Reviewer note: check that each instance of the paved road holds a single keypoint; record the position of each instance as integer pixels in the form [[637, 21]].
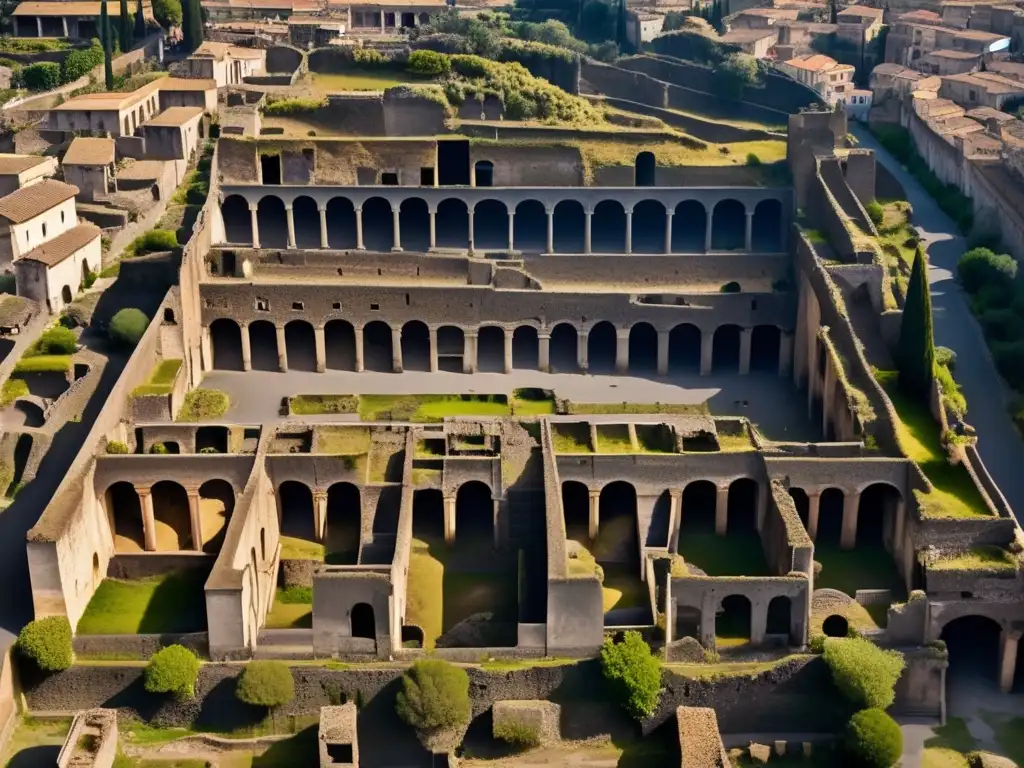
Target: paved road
[[1000, 446]]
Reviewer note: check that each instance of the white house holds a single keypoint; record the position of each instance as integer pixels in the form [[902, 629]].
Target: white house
[[32, 215], [53, 272]]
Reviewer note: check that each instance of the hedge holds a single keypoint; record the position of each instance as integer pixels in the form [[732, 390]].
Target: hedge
[[47, 643], [428, 63], [81, 63], [873, 739], [435, 694], [44, 364], [44, 76], [56, 341], [266, 684], [128, 326], [174, 670], [862, 671]]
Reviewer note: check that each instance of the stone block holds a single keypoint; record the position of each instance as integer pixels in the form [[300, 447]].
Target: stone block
[[540, 716], [760, 753]]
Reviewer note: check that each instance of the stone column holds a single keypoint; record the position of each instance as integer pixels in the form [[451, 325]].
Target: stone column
[[321, 348], [785, 353], [851, 507], [282, 350], [621, 350], [323, 228], [290, 216], [433, 228], [675, 518], [663, 353], [629, 230], [707, 349], [588, 217], [595, 514], [813, 512], [745, 334], [195, 519], [39, 25], [255, 226], [206, 348], [469, 340], [433, 349], [1008, 642], [758, 622], [511, 231], [396, 350], [382, 22], [900, 511], [148, 519], [358, 333], [472, 234], [668, 230], [508, 351], [550, 247], [397, 245], [544, 352], [359, 228], [449, 520], [16, 31], [246, 349], [722, 510], [320, 513], [64, 25], [748, 234], [707, 229], [496, 523], [581, 350]]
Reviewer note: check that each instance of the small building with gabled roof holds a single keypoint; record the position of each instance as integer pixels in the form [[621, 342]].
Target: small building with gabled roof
[[89, 164]]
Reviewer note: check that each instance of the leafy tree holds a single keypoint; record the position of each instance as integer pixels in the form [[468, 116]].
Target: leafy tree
[[173, 670], [875, 212], [435, 694], [737, 72], [862, 671], [873, 739], [596, 21], [192, 24], [125, 26], [915, 356], [266, 684], [167, 12], [633, 673], [140, 22], [980, 267], [81, 62], [108, 44], [47, 642], [127, 326], [482, 33]]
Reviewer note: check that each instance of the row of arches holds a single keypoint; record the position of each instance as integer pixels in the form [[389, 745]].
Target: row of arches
[[337, 526], [175, 522], [611, 227]]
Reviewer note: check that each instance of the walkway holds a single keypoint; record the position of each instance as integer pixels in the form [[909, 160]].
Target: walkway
[[1000, 445]]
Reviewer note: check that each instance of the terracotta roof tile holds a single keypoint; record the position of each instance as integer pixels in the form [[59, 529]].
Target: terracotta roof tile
[[174, 117], [12, 164], [54, 251], [28, 202], [86, 151]]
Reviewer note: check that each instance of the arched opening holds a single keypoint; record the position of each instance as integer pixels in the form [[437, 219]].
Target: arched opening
[[765, 344], [563, 349], [451, 347], [414, 223], [216, 503], [452, 224], [263, 346], [300, 345], [697, 520], [273, 222], [428, 514], [306, 219], [732, 621], [876, 514], [97, 576], [644, 169], [474, 515], [766, 232], [344, 523], [830, 518], [835, 626], [340, 345], [237, 220], [742, 511], [212, 439], [778, 621], [569, 224], [378, 353], [661, 513], [297, 516], [802, 504], [226, 340], [490, 349], [172, 518], [28, 413], [525, 348], [576, 511], [363, 623], [415, 346], [728, 226], [169, 316], [490, 226], [378, 225], [66, 295], [531, 227], [643, 348], [617, 546], [684, 343], [689, 227], [648, 231], [974, 645], [125, 514], [484, 173], [341, 223], [602, 342], [608, 227], [725, 349]]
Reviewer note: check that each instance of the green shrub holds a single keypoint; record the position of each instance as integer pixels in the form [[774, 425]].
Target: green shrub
[[952, 395], [1001, 324], [753, 160], [633, 673], [980, 267], [44, 76], [520, 734], [203, 404], [293, 106], [159, 449], [730, 287], [128, 326], [946, 357], [873, 739], [44, 364], [1009, 357], [429, 63], [862, 671], [56, 341], [154, 241], [435, 694], [47, 643], [11, 391], [174, 670], [875, 212], [167, 12], [266, 684], [81, 62], [369, 57], [116, 447], [817, 643]]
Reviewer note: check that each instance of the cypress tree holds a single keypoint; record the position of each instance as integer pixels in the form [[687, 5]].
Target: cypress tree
[[915, 356], [106, 36], [125, 28], [192, 24], [140, 22]]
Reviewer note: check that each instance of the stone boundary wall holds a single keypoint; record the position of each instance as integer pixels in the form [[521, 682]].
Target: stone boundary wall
[[8, 705], [510, 131], [832, 176], [705, 130], [138, 646]]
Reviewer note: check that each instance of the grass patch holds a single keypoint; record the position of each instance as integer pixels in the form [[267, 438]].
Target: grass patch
[[511, 665], [613, 438], [294, 548], [292, 609], [732, 555], [729, 669], [44, 364], [202, 404], [31, 733], [315, 405], [343, 441], [734, 443], [12, 390], [161, 380], [622, 588], [430, 408], [532, 402], [953, 735], [979, 558], [173, 602], [864, 567], [584, 409], [954, 494], [598, 154], [655, 438], [362, 80], [570, 438]]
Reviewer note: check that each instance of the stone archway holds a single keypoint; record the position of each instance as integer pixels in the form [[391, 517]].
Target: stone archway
[[525, 348], [341, 224], [830, 518], [263, 346], [415, 346], [765, 346], [531, 227], [340, 345], [689, 227], [576, 510], [414, 223], [649, 219], [644, 169], [728, 226], [378, 353], [452, 224], [234, 211], [378, 225], [474, 515], [344, 524], [725, 349], [428, 514], [643, 348], [569, 224], [451, 348], [172, 517], [608, 227], [602, 342], [490, 226], [733, 621], [306, 219], [684, 343], [490, 349], [124, 512], [742, 507], [779, 618], [363, 623], [300, 346], [226, 340], [297, 516], [273, 222], [974, 644], [876, 514], [766, 232], [216, 504], [564, 349]]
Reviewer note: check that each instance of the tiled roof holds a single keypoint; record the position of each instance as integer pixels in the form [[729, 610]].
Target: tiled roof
[[13, 164], [174, 117], [86, 151], [53, 252], [187, 84], [28, 202], [33, 8]]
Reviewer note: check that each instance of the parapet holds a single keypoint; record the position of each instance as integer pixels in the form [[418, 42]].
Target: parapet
[[92, 740]]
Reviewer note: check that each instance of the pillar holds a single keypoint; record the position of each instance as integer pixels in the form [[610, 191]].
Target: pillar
[[290, 216], [745, 334], [707, 228], [433, 228], [663, 353], [508, 351], [901, 522], [396, 224], [511, 231], [595, 514], [396, 350], [195, 519], [449, 519], [472, 234], [748, 234], [323, 228], [359, 228], [282, 350], [722, 510], [206, 347], [759, 621], [255, 226], [629, 230], [321, 348], [707, 350], [621, 350], [851, 506], [785, 353], [813, 512], [581, 349], [382, 22], [469, 347], [496, 523], [675, 515], [587, 221], [64, 25], [246, 349], [320, 513], [668, 230], [148, 519], [433, 350], [358, 333], [16, 31], [551, 231], [1008, 642], [544, 351], [39, 25]]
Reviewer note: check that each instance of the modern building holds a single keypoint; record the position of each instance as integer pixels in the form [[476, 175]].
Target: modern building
[[980, 89], [832, 80]]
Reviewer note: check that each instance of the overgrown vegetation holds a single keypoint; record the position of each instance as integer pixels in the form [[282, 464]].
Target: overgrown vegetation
[[863, 672], [161, 379], [173, 670], [434, 695], [915, 354], [292, 106], [127, 327], [266, 684], [633, 673], [47, 643], [201, 404], [873, 739], [515, 732]]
